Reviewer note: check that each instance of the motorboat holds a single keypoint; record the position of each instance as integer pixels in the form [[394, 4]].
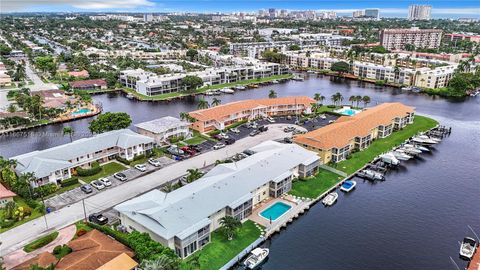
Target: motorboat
[[209, 93], [430, 137], [130, 96], [468, 247], [400, 155], [410, 150], [389, 158], [275, 81], [371, 175], [330, 199], [298, 78], [256, 257], [417, 146], [239, 87], [348, 185], [227, 91], [423, 139]]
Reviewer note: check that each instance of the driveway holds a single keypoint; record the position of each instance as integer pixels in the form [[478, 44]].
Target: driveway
[[18, 236]]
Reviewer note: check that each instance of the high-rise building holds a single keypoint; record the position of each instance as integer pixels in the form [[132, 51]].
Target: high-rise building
[[272, 12], [396, 39], [147, 17], [358, 13], [419, 12], [372, 13]]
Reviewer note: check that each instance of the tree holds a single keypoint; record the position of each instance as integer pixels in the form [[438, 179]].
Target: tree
[[317, 97], [110, 121], [184, 115], [358, 99], [193, 174], [68, 130], [229, 226], [162, 262], [272, 94], [340, 67], [194, 262], [294, 47], [216, 102], [352, 99], [365, 100], [191, 82], [273, 56], [191, 54], [11, 108], [202, 104]]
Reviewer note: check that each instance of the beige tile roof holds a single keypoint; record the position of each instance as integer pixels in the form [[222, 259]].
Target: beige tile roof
[[222, 111], [346, 128]]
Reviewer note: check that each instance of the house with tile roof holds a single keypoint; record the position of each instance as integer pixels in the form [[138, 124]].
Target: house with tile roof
[[58, 163], [5, 196], [89, 84], [219, 117], [336, 141]]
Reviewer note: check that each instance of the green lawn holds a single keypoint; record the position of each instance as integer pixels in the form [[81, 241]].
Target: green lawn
[[195, 140], [40, 242], [359, 159], [20, 202], [219, 251], [203, 89], [314, 186], [107, 170]]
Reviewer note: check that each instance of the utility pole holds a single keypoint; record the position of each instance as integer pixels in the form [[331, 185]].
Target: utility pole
[[84, 210]]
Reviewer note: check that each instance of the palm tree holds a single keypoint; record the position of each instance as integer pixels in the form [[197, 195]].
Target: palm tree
[[352, 99], [184, 115], [193, 174], [340, 97], [272, 94], [334, 99], [229, 226], [317, 96], [358, 99], [216, 102], [162, 262], [322, 99], [194, 262], [366, 100], [202, 104], [68, 130]]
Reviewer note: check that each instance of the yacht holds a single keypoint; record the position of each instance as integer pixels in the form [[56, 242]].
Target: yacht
[[389, 158], [417, 146], [209, 93], [371, 175], [425, 140], [256, 257], [227, 90], [468, 247], [400, 155], [330, 199], [348, 185], [410, 150]]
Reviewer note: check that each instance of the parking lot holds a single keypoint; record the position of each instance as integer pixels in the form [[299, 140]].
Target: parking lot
[[77, 194]]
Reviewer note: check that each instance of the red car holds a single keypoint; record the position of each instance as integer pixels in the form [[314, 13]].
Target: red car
[[188, 150]]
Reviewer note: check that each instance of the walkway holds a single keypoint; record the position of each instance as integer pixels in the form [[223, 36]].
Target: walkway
[[19, 256]]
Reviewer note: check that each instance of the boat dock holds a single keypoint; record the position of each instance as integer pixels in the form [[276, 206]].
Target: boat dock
[[474, 264]]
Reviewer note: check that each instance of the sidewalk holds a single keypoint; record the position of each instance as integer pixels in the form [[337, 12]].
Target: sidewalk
[[19, 256]]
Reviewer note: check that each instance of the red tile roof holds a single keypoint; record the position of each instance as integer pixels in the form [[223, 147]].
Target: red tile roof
[[5, 193], [88, 83]]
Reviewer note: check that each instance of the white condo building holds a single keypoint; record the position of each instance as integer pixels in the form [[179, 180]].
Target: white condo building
[[419, 12]]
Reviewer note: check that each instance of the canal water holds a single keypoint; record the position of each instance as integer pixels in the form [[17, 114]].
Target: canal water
[[413, 220]]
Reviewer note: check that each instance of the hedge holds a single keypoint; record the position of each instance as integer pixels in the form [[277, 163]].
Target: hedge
[[69, 182], [40, 242], [89, 172], [138, 157], [122, 160]]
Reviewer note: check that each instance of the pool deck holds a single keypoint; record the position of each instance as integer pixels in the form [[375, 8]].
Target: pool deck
[[475, 262]]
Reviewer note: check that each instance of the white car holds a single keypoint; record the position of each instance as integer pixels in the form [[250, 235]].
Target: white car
[[105, 181], [270, 120], [218, 146], [235, 130], [97, 184], [154, 162], [223, 135], [141, 167]]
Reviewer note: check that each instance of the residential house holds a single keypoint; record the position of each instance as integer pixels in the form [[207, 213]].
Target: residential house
[[162, 129], [5, 196], [89, 84]]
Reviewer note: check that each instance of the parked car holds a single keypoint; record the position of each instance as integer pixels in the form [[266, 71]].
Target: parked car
[[105, 181], [174, 150], [154, 162], [97, 184], [98, 219], [270, 119], [141, 167], [289, 117], [86, 188], [251, 125], [196, 147], [287, 140], [223, 135], [248, 152], [229, 141], [263, 128], [188, 150], [254, 133], [218, 146], [120, 176], [235, 130], [288, 129]]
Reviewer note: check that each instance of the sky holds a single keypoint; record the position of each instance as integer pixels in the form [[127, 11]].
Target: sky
[[396, 8]]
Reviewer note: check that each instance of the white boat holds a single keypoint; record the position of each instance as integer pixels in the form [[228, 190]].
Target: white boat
[[348, 185], [430, 137], [423, 139], [130, 96], [400, 155], [239, 87], [209, 93], [468, 247], [371, 175], [389, 158], [275, 81], [410, 150], [297, 78], [227, 91], [419, 147], [408, 88], [330, 199], [256, 257], [310, 71]]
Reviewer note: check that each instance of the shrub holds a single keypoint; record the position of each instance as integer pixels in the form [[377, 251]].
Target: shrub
[[138, 157], [6, 223], [89, 172], [69, 182], [40, 242], [81, 232], [45, 190], [122, 160], [61, 251]]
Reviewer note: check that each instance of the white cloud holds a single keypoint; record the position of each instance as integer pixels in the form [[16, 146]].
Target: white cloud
[[45, 5]]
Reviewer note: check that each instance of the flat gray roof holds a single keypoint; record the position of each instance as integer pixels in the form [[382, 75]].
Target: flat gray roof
[[162, 124], [170, 214]]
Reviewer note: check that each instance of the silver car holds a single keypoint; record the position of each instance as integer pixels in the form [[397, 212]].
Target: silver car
[[97, 184], [105, 181]]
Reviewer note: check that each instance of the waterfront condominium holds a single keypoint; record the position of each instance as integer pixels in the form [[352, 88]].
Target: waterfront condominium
[[219, 117], [59, 163], [419, 12], [397, 39], [163, 129], [336, 141], [184, 218]]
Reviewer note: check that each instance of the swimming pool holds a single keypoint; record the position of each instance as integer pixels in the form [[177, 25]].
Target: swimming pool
[[347, 111], [81, 111], [274, 211]]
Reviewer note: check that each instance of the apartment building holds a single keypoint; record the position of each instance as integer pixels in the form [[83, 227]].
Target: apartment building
[[58, 163], [336, 141], [389, 74], [184, 219], [419, 12], [396, 39], [434, 78], [219, 117], [163, 129], [459, 37], [136, 54]]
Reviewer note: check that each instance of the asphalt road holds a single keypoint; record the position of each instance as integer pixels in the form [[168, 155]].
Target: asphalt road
[[19, 236]]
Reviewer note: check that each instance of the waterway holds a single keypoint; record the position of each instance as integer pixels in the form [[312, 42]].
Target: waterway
[[413, 220]]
